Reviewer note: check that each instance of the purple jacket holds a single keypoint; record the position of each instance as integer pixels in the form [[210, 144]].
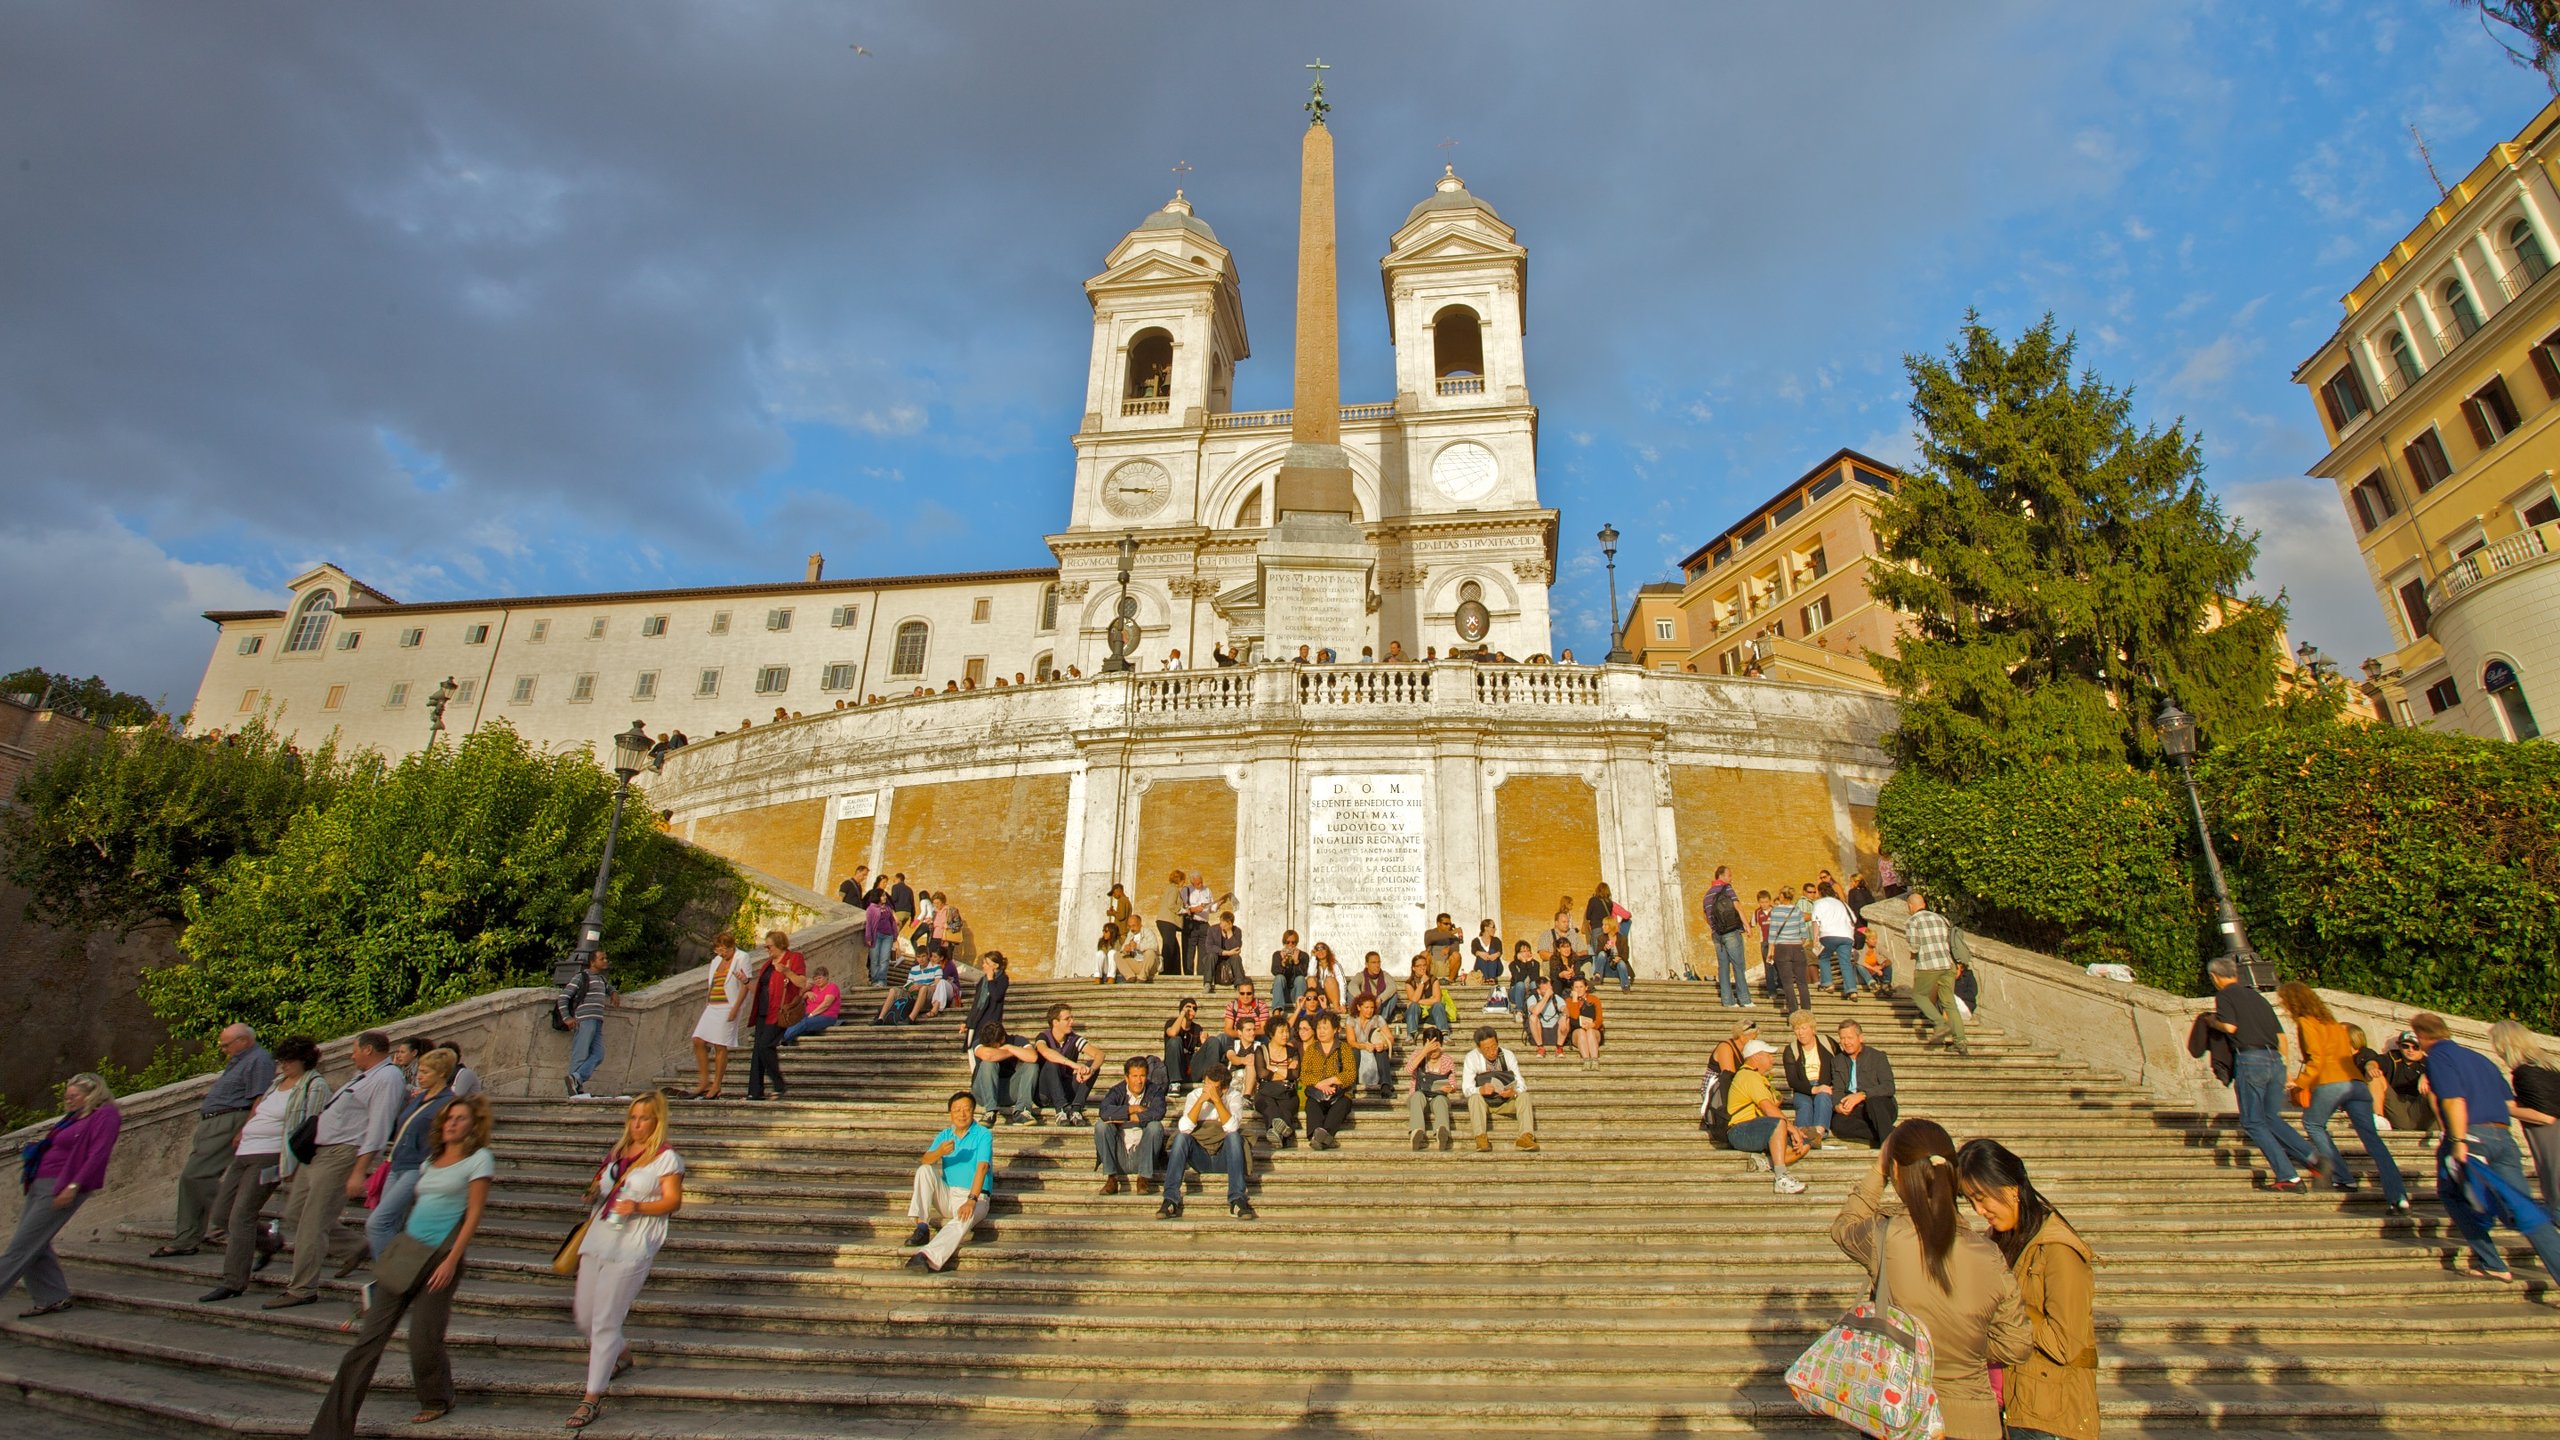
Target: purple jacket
[[77, 1149], [879, 922]]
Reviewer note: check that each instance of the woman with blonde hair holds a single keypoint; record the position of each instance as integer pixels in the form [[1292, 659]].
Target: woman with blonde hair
[[2537, 1103], [70, 1162], [420, 1273], [637, 1190], [412, 1136], [2328, 1081]]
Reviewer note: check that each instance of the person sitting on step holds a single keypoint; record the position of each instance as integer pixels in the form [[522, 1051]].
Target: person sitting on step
[[915, 999], [1375, 1044], [1312, 1006], [1434, 1076], [1609, 955], [1585, 1026], [1374, 982], [1494, 1086], [1327, 976], [951, 1187], [1246, 1019], [1864, 1107], [1426, 998], [1544, 1019], [1005, 1080], [1183, 1042], [1756, 1125], [1521, 979], [1813, 1084], [1208, 1111], [1327, 1072], [825, 1007], [1268, 1072], [1289, 966], [1224, 951], [1128, 1141], [1068, 1065]]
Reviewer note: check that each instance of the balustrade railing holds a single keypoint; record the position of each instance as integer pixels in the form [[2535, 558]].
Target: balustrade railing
[[1330, 686], [1461, 385], [1192, 692], [1537, 685], [2482, 565], [1160, 406], [1267, 419]]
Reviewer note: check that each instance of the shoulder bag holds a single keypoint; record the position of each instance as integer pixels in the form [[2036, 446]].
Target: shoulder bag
[[381, 1175], [1874, 1371], [305, 1139], [564, 1261]]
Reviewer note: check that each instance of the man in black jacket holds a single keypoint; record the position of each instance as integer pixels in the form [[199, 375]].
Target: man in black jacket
[[1865, 1108], [1128, 1141]]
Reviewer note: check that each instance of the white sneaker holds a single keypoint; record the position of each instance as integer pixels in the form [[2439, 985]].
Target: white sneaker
[[1760, 1164], [1790, 1185]]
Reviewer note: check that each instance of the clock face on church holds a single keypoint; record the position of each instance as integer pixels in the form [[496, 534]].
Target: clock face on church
[[1137, 489], [1465, 471]]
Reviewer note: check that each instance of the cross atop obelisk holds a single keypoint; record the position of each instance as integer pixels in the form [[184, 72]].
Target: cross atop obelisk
[[1316, 106]]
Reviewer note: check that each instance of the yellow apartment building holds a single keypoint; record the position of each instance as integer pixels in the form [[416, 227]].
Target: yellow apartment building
[[2440, 396], [1783, 592]]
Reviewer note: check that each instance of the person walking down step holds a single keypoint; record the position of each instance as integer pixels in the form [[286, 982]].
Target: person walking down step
[[636, 1192], [264, 1161], [582, 1003], [2242, 1016], [1937, 946], [353, 1131], [1790, 931], [2479, 1171], [779, 990], [69, 1165], [413, 1138], [1724, 921], [716, 1033], [951, 1187], [419, 1274], [2053, 1393], [1902, 1219], [247, 1072]]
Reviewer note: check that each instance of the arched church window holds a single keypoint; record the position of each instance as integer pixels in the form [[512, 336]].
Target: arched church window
[[1249, 514], [1043, 668], [1457, 343], [907, 657], [1150, 366], [311, 622]]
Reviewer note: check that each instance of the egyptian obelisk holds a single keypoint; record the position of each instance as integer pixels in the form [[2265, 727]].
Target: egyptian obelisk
[[1316, 563]]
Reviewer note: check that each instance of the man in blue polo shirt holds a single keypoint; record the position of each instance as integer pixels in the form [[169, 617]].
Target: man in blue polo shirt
[[2473, 1098], [951, 1187]]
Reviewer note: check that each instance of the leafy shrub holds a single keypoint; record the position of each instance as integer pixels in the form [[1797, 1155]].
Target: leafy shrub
[[2405, 864], [462, 869], [2080, 861]]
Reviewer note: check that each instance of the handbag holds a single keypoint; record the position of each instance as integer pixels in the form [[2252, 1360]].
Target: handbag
[[381, 1175], [564, 1261], [405, 1264], [1874, 1371]]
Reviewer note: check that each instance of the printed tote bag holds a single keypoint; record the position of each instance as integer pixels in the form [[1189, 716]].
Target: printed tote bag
[[1874, 1371]]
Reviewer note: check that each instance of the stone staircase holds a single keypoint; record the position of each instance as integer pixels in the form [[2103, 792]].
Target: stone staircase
[[1624, 1279]]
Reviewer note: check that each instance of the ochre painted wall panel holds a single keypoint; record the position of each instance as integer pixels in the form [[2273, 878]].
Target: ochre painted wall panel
[[1190, 825], [1549, 834], [780, 840], [1862, 829], [1774, 827], [853, 848], [994, 847]]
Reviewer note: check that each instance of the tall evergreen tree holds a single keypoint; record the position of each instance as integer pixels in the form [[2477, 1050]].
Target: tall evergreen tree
[[2065, 570]]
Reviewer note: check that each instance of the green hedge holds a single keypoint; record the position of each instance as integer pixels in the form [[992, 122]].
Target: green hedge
[[2404, 864], [2080, 861]]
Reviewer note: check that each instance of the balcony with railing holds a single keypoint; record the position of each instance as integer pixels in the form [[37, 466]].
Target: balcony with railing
[[1461, 385], [2513, 284], [2492, 561], [1279, 419], [1147, 405]]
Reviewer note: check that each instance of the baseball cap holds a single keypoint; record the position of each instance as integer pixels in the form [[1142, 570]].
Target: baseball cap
[[1758, 1047]]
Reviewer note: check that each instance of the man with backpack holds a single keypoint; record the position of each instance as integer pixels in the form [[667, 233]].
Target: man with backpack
[[1724, 921], [580, 1010]]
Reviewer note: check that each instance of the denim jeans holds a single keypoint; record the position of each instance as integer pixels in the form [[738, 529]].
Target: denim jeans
[[2491, 1145], [1813, 1112], [1285, 990], [2358, 1101], [881, 949], [1836, 966], [1609, 965], [586, 1049], [1004, 1084], [2257, 1082], [383, 1224], [1187, 1155], [810, 1025], [1111, 1148], [1733, 984], [1519, 990], [1378, 1070], [1417, 1016]]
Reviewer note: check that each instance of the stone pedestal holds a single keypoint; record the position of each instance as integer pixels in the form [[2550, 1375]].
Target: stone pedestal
[[1315, 572]]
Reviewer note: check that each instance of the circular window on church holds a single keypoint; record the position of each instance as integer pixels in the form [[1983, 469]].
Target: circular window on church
[[1465, 471]]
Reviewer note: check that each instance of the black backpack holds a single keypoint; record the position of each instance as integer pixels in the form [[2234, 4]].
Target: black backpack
[[1726, 917]]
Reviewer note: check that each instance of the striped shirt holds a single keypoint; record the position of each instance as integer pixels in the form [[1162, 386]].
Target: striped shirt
[[1789, 924], [1932, 941]]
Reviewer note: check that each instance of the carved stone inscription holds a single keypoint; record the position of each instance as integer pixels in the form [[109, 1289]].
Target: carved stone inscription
[[1366, 867]]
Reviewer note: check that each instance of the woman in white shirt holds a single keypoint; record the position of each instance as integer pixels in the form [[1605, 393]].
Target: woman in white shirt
[[639, 1187], [261, 1161], [716, 1033], [1327, 976], [1836, 930], [1106, 954]]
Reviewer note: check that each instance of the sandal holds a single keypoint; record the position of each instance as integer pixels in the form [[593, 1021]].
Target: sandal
[[585, 1415], [430, 1416], [622, 1366]]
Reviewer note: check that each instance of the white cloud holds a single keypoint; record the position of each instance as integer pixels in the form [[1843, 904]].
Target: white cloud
[[2135, 229], [2307, 550], [99, 599]]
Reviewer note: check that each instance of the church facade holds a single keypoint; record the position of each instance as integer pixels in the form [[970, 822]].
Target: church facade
[[1445, 493]]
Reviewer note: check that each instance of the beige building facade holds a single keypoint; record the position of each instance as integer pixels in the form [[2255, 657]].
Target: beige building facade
[[2440, 396]]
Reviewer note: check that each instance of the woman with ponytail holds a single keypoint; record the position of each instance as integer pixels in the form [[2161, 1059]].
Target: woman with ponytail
[[1902, 1219], [2053, 1394]]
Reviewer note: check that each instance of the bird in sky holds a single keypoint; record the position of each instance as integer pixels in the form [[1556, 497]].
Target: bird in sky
[[858, 50]]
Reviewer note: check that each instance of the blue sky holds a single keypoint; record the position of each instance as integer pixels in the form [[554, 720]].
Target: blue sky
[[496, 299]]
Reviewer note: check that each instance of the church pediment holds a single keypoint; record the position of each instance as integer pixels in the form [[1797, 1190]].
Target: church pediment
[[1454, 244]]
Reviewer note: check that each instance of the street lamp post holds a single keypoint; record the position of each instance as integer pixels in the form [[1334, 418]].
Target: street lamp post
[[2178, 742], [632, 753], [437, 699], [1618, 652], [1122, 632]]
